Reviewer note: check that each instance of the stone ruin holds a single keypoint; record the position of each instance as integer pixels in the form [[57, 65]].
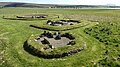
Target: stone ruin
[[33, 16], [62, 22], [51, 41], [55, 40]]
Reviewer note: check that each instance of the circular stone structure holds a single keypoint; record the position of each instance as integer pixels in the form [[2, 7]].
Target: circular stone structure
[[55, 40], [39, 16], [52, 45], [62, 22], [33, 17]]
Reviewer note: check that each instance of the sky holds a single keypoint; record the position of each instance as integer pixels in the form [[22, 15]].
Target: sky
[[73, 2]]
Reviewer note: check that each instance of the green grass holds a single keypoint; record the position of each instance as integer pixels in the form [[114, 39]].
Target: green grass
[[19, 32], [109, 34]]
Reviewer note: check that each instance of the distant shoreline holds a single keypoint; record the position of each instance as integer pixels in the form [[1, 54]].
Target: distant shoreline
[[99, 8]]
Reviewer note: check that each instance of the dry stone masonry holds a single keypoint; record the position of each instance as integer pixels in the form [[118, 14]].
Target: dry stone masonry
[[62, 22]]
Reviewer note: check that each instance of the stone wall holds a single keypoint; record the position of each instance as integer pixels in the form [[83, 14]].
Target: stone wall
[[29, 48]]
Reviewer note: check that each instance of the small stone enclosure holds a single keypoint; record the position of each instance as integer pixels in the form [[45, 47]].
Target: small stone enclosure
[[62, 22], [33, 16], [55, 40]]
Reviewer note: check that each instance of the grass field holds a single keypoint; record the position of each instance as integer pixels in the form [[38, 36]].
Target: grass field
[[14, 33]]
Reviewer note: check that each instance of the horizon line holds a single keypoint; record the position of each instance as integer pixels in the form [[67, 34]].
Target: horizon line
[[60, 4]]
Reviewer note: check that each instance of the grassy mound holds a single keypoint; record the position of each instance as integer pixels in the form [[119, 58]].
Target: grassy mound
[[39, 50], [61, 28]]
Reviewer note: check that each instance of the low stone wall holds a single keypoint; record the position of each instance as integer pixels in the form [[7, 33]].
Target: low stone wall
[[29, 48], [62, 22]]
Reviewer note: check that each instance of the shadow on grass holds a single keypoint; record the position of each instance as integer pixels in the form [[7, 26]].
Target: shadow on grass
[[42, 28], [24, 19], [13, 19], [55, 29], [25, 46]]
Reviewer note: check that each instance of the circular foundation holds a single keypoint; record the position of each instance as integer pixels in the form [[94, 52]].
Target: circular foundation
[[52, 45], [62, 22]]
